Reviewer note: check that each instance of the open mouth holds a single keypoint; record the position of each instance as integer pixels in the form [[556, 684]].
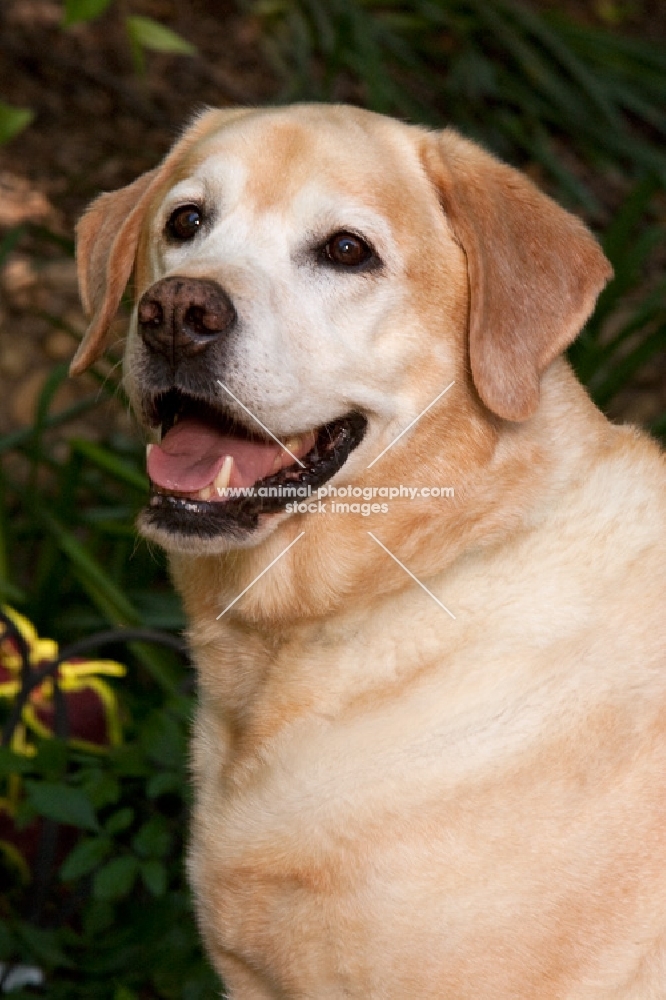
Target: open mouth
[[211, 475]]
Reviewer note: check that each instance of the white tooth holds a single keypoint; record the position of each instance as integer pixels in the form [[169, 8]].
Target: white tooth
[[205, 494], [223, 477], [293, 443], [149, 448]]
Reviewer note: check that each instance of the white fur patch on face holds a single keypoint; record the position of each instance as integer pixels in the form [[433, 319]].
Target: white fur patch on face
[[312, 341]]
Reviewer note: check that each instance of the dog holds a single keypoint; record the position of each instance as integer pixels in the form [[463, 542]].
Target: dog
[[424, 575]]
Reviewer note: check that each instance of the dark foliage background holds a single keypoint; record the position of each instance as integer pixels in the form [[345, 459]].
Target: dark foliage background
[[93, 92]]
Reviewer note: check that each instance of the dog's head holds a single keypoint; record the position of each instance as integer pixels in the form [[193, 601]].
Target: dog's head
[[307, 281]]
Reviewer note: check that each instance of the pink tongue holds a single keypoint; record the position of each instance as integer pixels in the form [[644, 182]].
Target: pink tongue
[[192, 453]]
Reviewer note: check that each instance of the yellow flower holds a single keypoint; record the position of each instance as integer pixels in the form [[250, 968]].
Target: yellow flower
[[93, 720]]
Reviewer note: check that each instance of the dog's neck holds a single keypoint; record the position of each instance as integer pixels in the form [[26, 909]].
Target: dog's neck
[[506, 483], [504, 479]]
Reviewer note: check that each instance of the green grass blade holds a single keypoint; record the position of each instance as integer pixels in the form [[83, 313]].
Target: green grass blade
[[107, 596], [587, 83], [10, 241], [111, 463], [22, 435], [123, 611], [623, 370]]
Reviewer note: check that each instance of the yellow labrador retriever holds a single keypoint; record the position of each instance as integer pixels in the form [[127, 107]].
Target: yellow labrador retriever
[[424, 575]]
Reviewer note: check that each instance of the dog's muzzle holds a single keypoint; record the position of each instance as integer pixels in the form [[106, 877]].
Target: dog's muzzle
[[211, 474]]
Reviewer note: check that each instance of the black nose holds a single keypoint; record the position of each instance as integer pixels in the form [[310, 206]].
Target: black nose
[[180, 317]]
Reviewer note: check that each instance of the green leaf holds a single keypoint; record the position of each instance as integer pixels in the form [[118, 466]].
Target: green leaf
[[83, 10], [13, 120], [85, 857], [163, 739], [123, 993], [50, 761], [6, 941], [129, 761], [119, 821], [102, 788], [163, 783], [149, 34], [153, 839], [13, 763], [115, 879], [154, 876], [11, 593], [42, 945], [97, 917], [62, 803]]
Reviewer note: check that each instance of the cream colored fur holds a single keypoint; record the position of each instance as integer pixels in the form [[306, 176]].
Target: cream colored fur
[[392, 803]]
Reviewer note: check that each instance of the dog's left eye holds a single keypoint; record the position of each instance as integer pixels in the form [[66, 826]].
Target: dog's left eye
[[347, 250], [184, 223]]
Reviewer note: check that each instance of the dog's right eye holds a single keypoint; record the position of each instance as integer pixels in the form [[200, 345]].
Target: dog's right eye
[[347, 250], [184, 223]]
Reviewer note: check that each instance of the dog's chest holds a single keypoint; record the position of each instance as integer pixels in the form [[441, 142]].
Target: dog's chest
[[336, 854], [306, 865], [273, 864], [351, 843]]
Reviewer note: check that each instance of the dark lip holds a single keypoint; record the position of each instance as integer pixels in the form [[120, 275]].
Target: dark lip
[[239, 516], [163, 409]]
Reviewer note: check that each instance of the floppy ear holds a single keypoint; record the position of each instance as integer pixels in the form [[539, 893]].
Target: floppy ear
[[534, 270], [106, 243]]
